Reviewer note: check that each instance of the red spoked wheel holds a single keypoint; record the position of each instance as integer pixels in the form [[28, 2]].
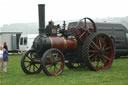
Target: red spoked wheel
[[84, 28], [29, 64], [98, 51], [53, 62]]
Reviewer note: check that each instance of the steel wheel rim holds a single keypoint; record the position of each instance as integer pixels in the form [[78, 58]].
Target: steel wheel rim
[[101, 52], [30, 66], [54, 64]]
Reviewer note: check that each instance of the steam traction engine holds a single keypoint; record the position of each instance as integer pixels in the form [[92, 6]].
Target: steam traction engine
[[78, 46]]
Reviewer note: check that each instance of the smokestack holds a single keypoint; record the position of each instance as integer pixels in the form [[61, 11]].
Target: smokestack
[[41, 10]]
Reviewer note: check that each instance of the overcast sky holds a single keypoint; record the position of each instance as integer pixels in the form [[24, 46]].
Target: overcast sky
[[24, 11]]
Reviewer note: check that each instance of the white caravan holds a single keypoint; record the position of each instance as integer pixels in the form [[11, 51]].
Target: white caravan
[[26, 41]]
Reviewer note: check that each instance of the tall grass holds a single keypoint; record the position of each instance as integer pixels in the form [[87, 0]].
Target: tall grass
[[116, 75]]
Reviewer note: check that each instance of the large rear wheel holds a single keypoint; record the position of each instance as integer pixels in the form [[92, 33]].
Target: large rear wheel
[[98, 51]]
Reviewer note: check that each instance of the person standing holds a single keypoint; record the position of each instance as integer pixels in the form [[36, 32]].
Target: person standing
[[5, 46], [3, 59]]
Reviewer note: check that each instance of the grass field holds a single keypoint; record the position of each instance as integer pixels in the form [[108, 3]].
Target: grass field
[[116, 75]]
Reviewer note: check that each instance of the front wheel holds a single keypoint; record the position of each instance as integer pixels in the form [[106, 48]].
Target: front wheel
[[29, 64], [52, 62], [98, 51]]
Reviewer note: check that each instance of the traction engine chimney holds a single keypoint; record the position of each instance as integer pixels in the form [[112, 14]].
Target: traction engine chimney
[[41, 10]]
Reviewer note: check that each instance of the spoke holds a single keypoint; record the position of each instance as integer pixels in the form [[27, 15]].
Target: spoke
[[107, 58], [30, 68], [48, 61], [100, 43], [92, 46], [27, 61], [33, 68], [29, 57], [97, 42], [90, 26], [89, 31], [80, 26], [91, 55], [36, 66], [82, 34], [51, 60], [104, 44], [48, 66], [87, 34], [28, 65], [95, 45], [55, 68], [108, 48], [85, 24]]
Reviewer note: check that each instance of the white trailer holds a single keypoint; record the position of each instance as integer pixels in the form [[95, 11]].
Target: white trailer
[[26, 41], [12, 40]]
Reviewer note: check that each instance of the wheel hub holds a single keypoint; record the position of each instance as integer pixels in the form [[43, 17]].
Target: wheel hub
[[32, 62], [54, 63], [101, 52]]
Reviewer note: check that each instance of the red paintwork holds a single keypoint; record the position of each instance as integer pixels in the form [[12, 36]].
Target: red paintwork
[[63, 43]]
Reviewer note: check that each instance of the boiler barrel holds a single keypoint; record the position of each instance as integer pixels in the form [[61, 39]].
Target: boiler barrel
[[41, 44], [62, 43]]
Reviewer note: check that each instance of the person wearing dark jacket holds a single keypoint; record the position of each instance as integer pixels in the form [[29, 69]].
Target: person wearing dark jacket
[[5, 46], [3, 59]]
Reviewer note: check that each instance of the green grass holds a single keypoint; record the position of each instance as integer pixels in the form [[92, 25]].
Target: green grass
[[116, 75]]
